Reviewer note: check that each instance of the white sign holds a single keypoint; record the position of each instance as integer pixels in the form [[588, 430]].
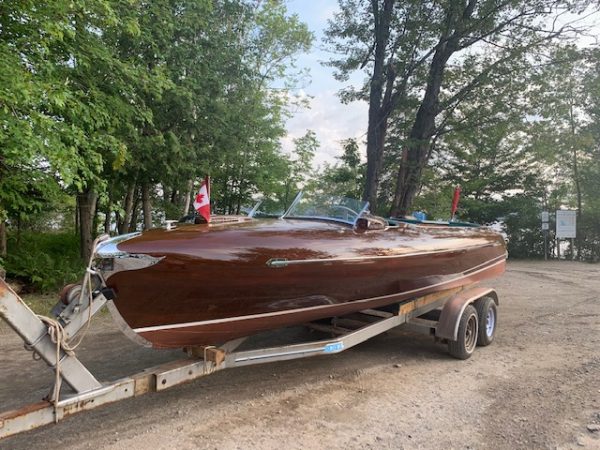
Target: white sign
[[545, 216], [545, 226], [566, 224]]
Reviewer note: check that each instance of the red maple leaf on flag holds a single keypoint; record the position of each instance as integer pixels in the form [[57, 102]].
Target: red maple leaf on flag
[[199, 198]]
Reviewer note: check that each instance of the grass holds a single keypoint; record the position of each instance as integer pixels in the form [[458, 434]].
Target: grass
[[41, 303]]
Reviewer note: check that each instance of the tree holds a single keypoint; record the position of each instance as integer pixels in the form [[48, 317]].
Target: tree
[[300, 166], [55, 110], [345, 178], [563, 137], [120, 103], [413, 48], [218, 114]]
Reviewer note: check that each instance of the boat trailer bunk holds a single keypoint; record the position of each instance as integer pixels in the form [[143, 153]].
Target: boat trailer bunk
[[462, 317]]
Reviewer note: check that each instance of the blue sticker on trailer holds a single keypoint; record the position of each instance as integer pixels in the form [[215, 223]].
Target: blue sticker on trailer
[[332, 348]]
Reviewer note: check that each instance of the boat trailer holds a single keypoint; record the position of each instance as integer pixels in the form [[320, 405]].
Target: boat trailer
[[463, 317]]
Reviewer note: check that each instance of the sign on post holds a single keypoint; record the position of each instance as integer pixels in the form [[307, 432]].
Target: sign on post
[[566, 224]]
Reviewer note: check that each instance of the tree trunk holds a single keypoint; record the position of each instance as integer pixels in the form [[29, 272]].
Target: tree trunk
[[128, 206], [135, 211], [414, 160], [87, 209], [146, 206], [188, 198], [77, 215], [134, 217], [416, 151], [96, 219], [238, 206], [118, 222], [3, 244], [174, 197], [578, 238], [378, 116], [108, 214], [167, 193]]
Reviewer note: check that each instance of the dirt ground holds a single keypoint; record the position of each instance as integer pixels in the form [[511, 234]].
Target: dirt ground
[[536, 387]]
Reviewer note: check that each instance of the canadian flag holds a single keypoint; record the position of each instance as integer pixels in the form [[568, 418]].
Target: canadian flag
[[202, 200]]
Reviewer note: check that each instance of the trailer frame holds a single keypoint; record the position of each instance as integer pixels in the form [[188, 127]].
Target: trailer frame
[[89, 393]]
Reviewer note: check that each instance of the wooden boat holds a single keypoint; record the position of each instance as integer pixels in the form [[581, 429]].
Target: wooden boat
[[206, 284]]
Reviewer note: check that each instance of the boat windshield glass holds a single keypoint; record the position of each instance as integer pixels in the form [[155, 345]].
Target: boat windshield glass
[[265, 208], [326, 207]]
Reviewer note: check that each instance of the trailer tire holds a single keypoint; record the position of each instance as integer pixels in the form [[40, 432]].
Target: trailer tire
[[466, 339], [487, 313]]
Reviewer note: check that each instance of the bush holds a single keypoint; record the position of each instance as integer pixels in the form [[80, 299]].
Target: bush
[[588, 231], [522, 217], [44, 261]]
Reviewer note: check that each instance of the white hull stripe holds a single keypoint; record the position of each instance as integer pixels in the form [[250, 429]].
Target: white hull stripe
[[468, 272], [289, 262]]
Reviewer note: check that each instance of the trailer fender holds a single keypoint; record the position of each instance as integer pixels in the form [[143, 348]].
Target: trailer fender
[[447, 327]]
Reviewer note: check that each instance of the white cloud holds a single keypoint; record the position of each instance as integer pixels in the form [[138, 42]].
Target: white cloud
[[327, 117], [327, 13], [332, 122]]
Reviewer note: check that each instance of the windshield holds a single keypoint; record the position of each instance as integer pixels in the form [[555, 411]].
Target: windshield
[[265, 207], [326, 207]]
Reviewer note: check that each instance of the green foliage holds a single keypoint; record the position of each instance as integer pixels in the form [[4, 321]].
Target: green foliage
[[99, 98], [345, 178], [218, 114], [299, 172], [45, 261], [523, 227]]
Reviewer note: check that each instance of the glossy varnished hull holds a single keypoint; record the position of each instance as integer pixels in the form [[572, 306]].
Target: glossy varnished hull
[[215, 284]]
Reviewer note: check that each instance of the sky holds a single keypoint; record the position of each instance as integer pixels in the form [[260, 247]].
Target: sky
[[327, 117]]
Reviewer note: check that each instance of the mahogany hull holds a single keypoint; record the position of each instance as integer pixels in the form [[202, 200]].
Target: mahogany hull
[[213, 285]]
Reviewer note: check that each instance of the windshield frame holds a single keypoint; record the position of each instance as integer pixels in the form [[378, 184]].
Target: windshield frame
[[255, 208], [286, 214]]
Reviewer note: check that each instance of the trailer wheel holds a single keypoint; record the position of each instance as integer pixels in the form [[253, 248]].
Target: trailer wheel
[[487, 313], [466, 338]]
